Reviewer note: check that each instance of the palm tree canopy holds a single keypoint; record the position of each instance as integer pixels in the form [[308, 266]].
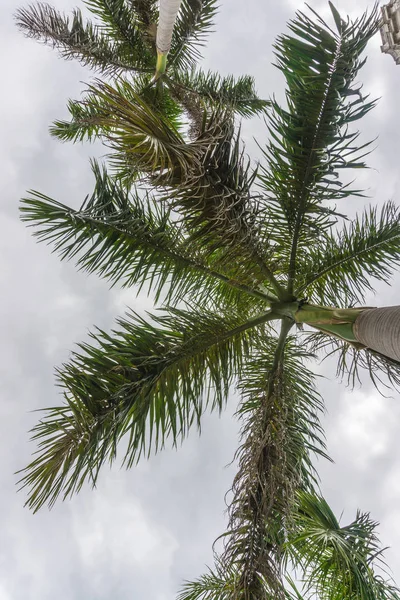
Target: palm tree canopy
[[121, 42], [227, 248]]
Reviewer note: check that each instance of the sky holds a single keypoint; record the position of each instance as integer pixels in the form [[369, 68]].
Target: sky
[[143, 531]]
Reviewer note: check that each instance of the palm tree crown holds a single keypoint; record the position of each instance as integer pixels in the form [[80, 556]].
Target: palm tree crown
[[240, 259]]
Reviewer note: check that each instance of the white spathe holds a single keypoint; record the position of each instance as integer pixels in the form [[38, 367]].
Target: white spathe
[[166, 21]]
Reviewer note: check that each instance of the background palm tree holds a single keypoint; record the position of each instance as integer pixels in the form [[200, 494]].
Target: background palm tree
[[122, 44], [330, 561], [229, 250]]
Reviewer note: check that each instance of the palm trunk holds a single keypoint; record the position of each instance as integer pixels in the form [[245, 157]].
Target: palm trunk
[[379, 330], [166, 21]]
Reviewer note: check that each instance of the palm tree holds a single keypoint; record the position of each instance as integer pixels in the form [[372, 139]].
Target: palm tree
[[124, 42], [329, 561], [255, 270]]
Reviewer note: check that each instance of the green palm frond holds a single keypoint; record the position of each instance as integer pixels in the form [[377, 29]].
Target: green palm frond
[[337, 562], [118, 20], [130, 238], [146, 381], [312, 140], [280, 433], [351, 361], [208, 180], [84, 41], [217, 584], [145, 11], [87, 116], [340, 270], [194, 22], [239, 94], [142, 140]]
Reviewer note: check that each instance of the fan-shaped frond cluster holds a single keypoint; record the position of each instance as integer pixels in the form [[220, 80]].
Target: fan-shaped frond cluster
[[337, 562]]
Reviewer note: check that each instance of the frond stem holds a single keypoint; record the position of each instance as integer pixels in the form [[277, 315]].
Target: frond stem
[[189, 261], [303, 195]]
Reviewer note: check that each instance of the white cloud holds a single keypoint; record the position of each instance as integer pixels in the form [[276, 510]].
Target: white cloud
[[362, 427]]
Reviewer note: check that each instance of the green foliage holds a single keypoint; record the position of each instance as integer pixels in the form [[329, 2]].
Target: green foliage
[[145, 381], [142, 139], [86, 42], [217, 584], [131, 239], [311, 140], [337, 562], [237, 94], [90, 116], [194, 21], [280, 435], [340, 270], [208, 180]]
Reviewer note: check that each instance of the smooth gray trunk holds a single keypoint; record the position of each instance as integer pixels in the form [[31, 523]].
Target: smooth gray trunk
[[379, 329]]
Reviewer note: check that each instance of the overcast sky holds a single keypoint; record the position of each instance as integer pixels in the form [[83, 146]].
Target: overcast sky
[[143, 531]]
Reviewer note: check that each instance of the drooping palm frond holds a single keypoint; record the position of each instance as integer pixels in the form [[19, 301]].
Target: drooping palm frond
[[337, 562], [351, 361], [119, 21], [130, 238], [311, 140], [237, 94], [280, 433], [76, 39], [194, 22], [146, 381], [142, 140], [340, 271]]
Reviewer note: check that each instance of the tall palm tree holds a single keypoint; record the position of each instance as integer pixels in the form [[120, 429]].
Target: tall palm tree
[[255, 271]]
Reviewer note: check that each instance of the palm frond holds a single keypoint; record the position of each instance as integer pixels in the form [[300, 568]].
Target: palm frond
[[337, 562], [194, 22], [130, 238], [146, 381], [239, 94], [351, 361], [142, 140], [218, 205], [217, 584], [146, 13], [76, 39], [208, 181], [280, 433], [87, 116], [340, 270], [120, 23], [312, 140]]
